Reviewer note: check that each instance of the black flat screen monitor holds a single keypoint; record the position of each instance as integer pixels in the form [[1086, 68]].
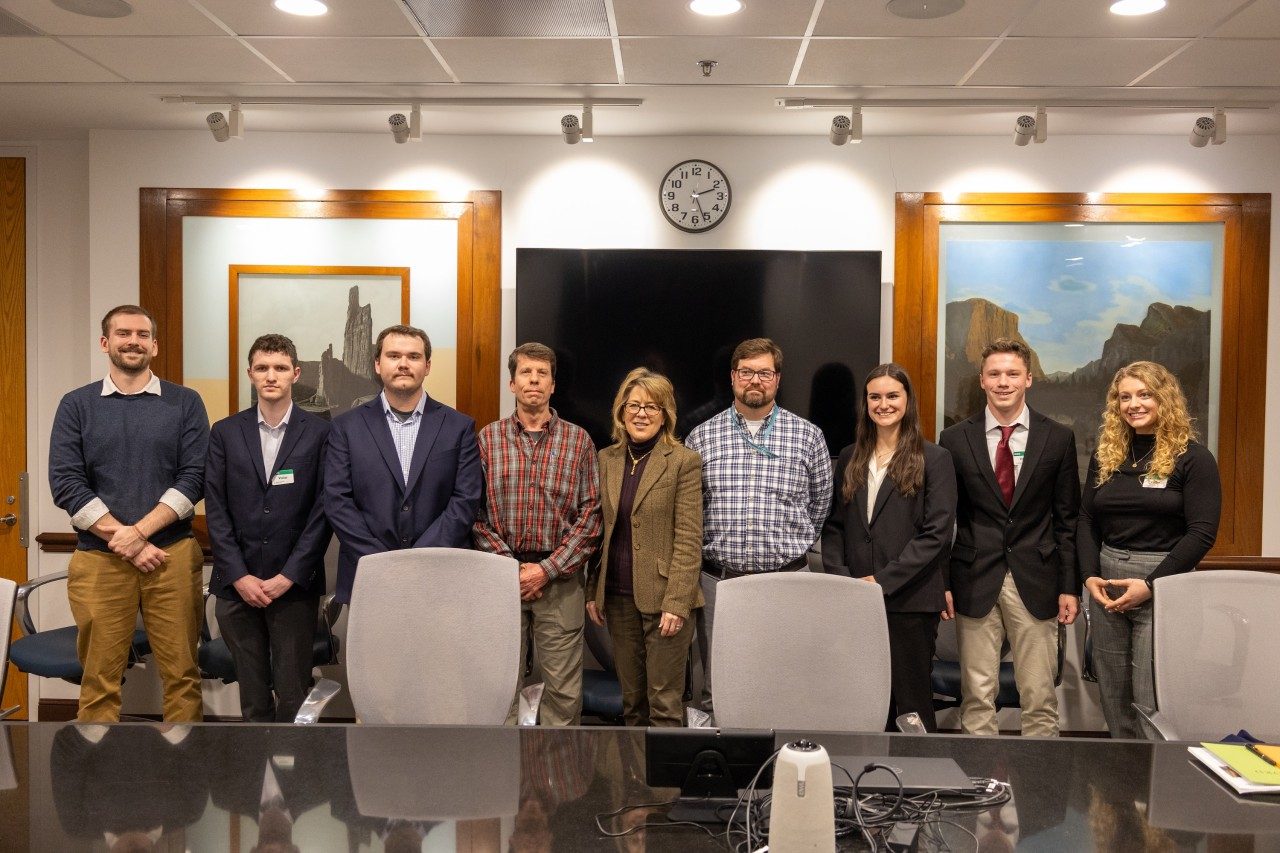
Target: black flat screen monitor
[[709, 766], [681, 313]]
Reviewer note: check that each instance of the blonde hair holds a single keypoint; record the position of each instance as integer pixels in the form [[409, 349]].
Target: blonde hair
[[1174, 430], [659, 389]]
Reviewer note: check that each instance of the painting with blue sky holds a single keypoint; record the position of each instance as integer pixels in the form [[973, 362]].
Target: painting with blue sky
[[1086, 298]]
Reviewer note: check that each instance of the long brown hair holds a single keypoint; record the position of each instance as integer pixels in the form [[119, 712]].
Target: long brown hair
[[907, 466]]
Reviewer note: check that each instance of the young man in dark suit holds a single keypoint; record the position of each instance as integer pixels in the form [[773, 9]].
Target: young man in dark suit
[[1013, 562], [403, 470], [269, 534]]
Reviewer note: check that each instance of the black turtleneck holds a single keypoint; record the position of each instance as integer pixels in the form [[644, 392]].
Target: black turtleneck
[[618, 578], [1181, 518]]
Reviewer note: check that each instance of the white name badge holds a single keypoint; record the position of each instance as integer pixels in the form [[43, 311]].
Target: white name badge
[[283, 477], [1153, 483]]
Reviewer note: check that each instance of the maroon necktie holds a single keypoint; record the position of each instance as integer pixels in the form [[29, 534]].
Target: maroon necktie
[[1004, 464]]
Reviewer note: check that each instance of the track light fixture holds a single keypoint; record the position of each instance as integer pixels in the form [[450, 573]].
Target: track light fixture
[[845, 129], [1031, 128], [571, 129], [588, 124], [1207, 129], [224, 127], [399, 127]]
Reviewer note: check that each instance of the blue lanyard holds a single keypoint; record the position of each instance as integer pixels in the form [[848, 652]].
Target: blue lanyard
[[757, 446]]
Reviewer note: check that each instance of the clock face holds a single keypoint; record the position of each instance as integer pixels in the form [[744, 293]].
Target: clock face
[[695, 195]]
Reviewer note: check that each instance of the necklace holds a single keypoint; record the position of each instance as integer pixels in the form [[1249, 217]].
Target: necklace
[[636, 460], [883, 456], [1137, 462]]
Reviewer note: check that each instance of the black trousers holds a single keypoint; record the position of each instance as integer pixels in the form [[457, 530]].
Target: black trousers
[[271, 648], [912, 637]]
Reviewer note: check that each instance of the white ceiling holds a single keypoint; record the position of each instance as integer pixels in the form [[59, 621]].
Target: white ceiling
[[62, 74]]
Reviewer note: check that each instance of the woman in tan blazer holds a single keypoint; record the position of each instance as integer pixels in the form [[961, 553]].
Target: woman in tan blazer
[[651, 556]]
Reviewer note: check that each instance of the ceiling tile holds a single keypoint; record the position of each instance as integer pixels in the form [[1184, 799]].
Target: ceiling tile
[[1222, 62], [529, 60], [739, 60], [1070, 62], [149, 18], [1261, 20], [344, 18], [673, 18], [353, 60], [43, 60], [178, 59], [870, 18], [511, 18], [1057, 18], [888, 62]]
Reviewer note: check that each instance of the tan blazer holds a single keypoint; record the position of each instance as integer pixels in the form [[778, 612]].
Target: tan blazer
[[667, 528]]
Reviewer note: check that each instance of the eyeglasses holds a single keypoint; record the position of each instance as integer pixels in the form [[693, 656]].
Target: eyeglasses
[[650, 409], [746, 374]]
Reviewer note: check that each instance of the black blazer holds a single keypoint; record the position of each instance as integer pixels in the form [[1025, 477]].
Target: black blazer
[[367, 501], [907, 543], [259, 529], [1034, 538]]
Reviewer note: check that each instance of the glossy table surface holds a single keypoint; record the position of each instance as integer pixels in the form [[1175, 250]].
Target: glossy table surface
[[357, 788]]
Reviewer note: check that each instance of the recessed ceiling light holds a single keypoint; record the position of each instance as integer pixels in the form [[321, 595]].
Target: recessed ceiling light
[[1136, 7], [96, 8], [715, 8], [923, 8], [306, 8]]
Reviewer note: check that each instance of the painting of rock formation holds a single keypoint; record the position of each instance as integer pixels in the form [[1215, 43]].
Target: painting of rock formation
[[1084, 310]]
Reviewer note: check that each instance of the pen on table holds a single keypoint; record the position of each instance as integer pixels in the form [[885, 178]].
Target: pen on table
[[1261, 754]]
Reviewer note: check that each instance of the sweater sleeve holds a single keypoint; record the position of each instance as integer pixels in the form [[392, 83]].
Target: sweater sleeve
[[68, 474], [1202, 508], [1088, 533], [189, 478]]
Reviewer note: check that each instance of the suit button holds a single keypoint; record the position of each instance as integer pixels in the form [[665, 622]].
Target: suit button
[[266, 509], [635, 524], [868, 538], [264, 541], [1008, 550], [404, 508], [404, 539]]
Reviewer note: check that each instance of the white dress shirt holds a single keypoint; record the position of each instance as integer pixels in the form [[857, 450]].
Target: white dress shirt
[[1017, 440], [875, 477], [271, 438]]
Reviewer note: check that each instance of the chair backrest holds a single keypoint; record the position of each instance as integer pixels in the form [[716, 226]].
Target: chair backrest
[[1217, 653], [8, 599], [796, 650], [434, 637]]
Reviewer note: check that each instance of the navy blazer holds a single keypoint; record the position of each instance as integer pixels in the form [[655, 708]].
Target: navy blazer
[[1034, 539], [367, 501], [907, 543], [259, 529]]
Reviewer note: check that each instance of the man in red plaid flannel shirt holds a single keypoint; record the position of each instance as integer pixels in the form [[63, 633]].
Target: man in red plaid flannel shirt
[[542, 506]]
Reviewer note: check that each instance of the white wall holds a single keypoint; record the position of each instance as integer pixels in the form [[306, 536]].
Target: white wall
[[790, 193]]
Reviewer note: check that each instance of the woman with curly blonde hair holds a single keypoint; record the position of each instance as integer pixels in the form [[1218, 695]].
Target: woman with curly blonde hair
[[1150, 509]]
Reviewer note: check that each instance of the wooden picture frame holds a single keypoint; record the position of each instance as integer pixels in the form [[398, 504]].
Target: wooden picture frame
[[479, 251], [236, 360], [1246, 218]]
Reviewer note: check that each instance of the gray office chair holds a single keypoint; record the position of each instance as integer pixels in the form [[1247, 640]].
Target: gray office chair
[[8, 600], [802, 651], [1217, 655], [433, 637]]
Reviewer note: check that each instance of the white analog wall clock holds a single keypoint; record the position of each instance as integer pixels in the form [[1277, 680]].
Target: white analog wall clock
[[695, 196]]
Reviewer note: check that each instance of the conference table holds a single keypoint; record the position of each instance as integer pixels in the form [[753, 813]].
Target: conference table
[[238, 787]]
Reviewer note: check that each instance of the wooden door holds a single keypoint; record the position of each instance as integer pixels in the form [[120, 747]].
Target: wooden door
[[13, 393]]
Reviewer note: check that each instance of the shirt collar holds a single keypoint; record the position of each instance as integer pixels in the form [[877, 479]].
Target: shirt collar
[[742, 419], [152, 387], [283, 421], [386, 406], [546, 425], [1023, 419]]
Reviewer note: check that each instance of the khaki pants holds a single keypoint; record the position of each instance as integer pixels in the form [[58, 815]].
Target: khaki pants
[[555, 623], [1034, 643], [106, 593], [650, 666]]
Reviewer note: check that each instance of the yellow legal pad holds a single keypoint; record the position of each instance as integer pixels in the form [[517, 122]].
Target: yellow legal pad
[[1248, 765]]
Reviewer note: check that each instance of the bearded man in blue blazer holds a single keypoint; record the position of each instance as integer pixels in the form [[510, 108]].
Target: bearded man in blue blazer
[[403, 470], [269, 535]]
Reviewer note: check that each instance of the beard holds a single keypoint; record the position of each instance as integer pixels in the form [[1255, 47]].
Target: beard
[[755, 398], [118, 361]]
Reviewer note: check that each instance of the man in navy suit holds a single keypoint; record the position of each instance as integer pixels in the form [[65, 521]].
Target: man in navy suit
[[266, 523], [403, 470]]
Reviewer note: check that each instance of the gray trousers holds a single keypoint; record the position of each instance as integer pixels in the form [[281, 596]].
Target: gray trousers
[[1122, 656]]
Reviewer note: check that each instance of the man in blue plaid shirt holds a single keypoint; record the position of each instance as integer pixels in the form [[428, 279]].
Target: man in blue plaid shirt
[[766, 484]]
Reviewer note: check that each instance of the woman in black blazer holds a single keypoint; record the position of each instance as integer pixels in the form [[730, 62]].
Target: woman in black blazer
[[891, 524]]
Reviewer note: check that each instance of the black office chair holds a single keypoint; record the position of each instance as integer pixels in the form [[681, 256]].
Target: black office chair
[[215, 657], [52, 653], [601, 692], [946, 670]]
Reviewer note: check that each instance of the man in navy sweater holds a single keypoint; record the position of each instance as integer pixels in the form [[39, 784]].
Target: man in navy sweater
[[126, 462], [269, 534]]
